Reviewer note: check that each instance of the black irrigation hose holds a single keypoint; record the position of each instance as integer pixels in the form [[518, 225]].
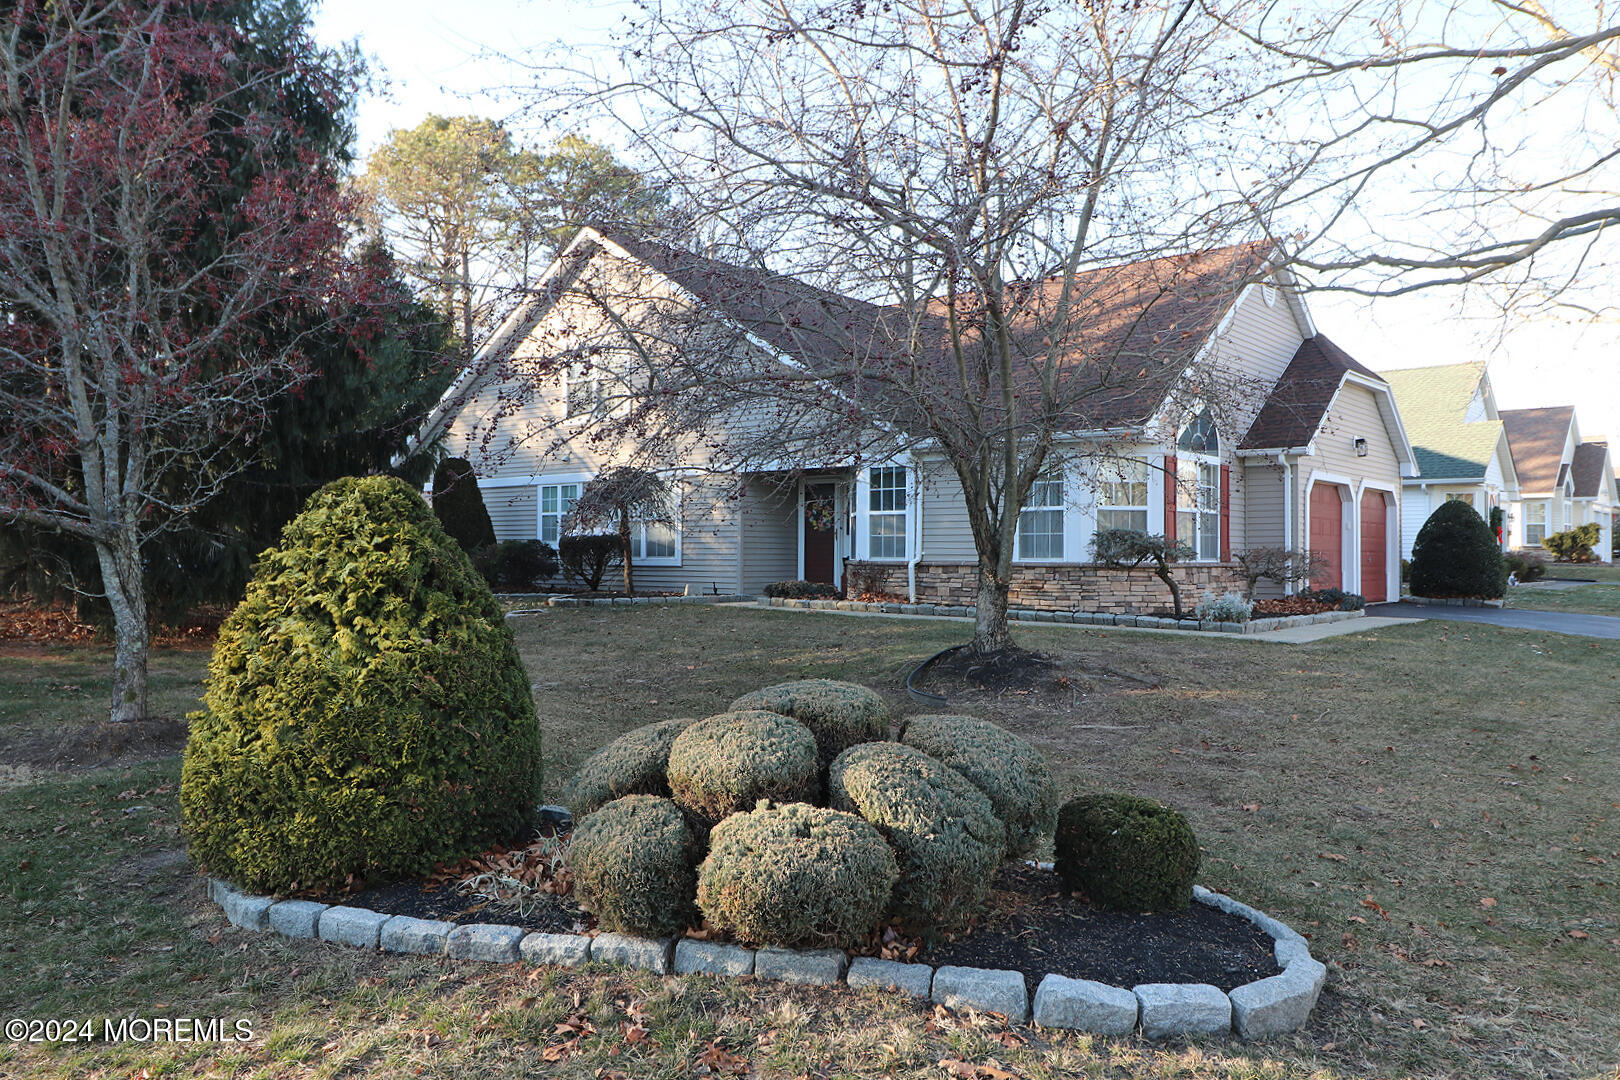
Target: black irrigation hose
[[924, 695]]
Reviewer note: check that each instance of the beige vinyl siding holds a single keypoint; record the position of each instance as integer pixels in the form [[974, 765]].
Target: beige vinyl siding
[[1353, 414], [946, 534], [708, 546], [1262, 508], [770, 534], [514, 511], [1257, 342]]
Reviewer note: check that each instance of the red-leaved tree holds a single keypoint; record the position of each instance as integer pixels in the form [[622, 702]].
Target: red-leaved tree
[[164, 247]]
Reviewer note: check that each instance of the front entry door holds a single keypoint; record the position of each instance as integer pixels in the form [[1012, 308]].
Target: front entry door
[[820, 528]]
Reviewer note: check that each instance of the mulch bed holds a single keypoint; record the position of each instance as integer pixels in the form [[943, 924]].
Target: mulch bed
[[25, 622], [1290, 605], [1032, 925]]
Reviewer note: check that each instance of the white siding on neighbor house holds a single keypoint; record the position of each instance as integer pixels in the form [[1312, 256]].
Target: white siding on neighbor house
[[1416, 506], [514, 511], [770, 534]]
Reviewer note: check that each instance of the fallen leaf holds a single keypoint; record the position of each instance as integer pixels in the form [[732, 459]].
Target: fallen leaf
[[1578, 935], [1332, 856], [1487, 901], [1251, 807]]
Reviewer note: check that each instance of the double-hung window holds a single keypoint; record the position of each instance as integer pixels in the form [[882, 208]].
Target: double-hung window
[[1535, 522], [555, 502], [1122, 495], [1198, 487], [655, 541], [886, 512], [1040, 522]]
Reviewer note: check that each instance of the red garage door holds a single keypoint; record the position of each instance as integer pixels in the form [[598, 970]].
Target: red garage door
[[1327, 536], [1374, 547]]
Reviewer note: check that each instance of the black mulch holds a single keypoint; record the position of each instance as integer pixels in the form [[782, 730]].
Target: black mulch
[[1035, 926], [555, 914]]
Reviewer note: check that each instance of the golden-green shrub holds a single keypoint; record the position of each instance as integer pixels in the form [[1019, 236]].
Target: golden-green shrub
[[731, 761], [365, 712], [635, 763], [944, 832], [1011, 773], [1126, 853], [634, 866], [840, 714], [796, 875]]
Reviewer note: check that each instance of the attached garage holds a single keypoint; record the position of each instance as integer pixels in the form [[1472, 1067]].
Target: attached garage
[[1374, 546], [1327, 535]]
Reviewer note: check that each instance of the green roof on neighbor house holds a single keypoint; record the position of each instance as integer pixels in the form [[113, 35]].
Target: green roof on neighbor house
[[1433, 402]]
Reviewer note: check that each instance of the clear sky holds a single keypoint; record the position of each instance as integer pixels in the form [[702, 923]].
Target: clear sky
[[433, 57]]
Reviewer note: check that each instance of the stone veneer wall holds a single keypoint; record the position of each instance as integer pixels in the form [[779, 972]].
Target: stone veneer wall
[[1057, 586]]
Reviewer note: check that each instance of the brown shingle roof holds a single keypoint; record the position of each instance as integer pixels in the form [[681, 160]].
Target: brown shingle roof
[[1587, 468], [1294, 409], [1536, 439]]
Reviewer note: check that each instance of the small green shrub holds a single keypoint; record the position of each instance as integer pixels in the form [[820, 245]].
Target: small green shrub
[[587, 559], [1126, 853], [944, 832], [1527, 565], [1343, 601], [1574, 545], [729, 762], [459, 505], [1456, 555], [840, 714], [636, 763], [1007, 769], [516, 565], [796, 875], [802, 590], [365, 712], [1227, 608], [634, 866]]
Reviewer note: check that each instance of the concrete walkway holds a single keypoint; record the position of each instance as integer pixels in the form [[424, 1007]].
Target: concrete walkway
[[1556, 622]]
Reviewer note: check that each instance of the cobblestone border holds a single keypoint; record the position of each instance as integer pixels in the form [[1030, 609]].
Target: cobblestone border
[[1080, 618], [1451, 601], [1257, 1010]]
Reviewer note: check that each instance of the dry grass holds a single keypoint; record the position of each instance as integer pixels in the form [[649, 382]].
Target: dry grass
[[1598, 599], [1375, 791]]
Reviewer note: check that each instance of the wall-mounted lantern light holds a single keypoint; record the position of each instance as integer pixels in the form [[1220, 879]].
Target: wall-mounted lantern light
[[1361, 447]]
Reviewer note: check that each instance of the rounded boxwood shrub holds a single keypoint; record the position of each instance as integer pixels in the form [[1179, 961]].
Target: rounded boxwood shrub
[[731, 761], [841, 714], [1011, 773], [636, 763], [944, 832], [1456, 555], [1126, 853], [796, 875], [634, 866], [365, 711]]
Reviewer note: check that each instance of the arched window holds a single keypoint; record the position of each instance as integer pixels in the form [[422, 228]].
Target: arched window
[[1198, 486]]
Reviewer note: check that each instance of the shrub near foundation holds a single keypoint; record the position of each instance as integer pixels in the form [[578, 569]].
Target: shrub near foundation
[[636, 763], [1126, 853], [365, 711], [633, 863], [944, 832], [1008, 770], [729, 762], [840, 714], [796, 875]]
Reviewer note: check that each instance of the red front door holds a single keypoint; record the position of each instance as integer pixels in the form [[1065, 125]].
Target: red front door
[[1374, 547], [820, 527], [1327, 536]]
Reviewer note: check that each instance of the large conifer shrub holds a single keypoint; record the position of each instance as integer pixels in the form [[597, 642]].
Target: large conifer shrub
[[366, 713], [459, 505], [1455, 555]]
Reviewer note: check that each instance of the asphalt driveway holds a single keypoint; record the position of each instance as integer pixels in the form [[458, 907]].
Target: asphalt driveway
[[1557, 622]]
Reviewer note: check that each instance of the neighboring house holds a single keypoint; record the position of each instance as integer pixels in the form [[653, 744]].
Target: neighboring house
[[1315, 456], [1460, 441], [1560, 478]]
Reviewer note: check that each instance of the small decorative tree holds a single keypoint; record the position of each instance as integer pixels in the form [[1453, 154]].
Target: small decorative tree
[[1130, 548], [619, 498], [1456, 555], [1279, 564], [1574, 545], [459, 505]]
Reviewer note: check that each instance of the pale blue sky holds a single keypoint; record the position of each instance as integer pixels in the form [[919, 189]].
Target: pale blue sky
[[432, 56]]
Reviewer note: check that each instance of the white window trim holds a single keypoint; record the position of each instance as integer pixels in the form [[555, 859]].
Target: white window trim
[[1061, 476], [863, 517], [1528, 504], [1197, 459], [539, 499]]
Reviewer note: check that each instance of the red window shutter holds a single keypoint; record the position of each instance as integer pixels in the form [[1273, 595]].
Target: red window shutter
[[1169, 496], [1226, 513]]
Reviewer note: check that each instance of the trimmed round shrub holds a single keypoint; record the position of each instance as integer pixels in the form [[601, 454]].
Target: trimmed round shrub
[[731, 761], [1456, 555], [365, 711], [841, 714], [459, 505], [1126, 853], [1011, 773], [634, 866], [796, 875], [944, 832], [636, 763]]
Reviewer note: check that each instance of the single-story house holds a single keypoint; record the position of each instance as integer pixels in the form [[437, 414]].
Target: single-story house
[[1560, 478], [1460, 441], [1315, 457]]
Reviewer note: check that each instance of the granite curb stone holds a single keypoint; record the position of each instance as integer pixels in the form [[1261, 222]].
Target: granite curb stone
[[418, 937], [653, 954], [1183, 1009], [1083, 1005], [802, 967], [563, 950], [492, 943], [248, 912], [915, 979], [1279, 1004], [296, 918], [985, 989], [712, 958], [361, 927]]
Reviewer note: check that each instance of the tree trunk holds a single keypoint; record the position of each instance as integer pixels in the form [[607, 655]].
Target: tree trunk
[[991, 633], [624, 548], [1168, 577], [126, 593]]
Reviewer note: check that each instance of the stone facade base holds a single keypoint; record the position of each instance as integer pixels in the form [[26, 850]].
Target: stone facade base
[[1058, 586]]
